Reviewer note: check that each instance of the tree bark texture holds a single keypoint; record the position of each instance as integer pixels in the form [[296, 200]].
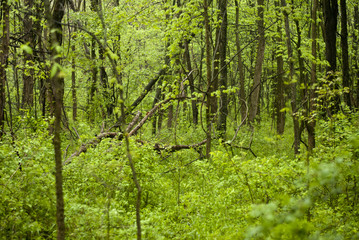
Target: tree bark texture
[[223, 80], [28, 71], [330, 14], [345, 56], [187, 58], [311, 122], [356, 47], [293, 84], [279, 101], [242, 93], [57, 87], [5, 42], [209, 80], [254, 98]]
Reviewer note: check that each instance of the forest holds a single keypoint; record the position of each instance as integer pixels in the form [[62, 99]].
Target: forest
[[182, 119]]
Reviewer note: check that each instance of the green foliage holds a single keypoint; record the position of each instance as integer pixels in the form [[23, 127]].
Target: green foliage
[[232, 196]]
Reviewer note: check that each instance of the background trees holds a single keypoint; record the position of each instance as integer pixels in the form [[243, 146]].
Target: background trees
[[222, 74]]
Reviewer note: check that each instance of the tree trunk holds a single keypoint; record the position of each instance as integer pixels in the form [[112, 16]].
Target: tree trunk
[[313, 79], [57, 86], [93, 86], [104, 81], [28, 72], [242, 93], [254, 98], [223, 105], [187, 58], [330, 13], [5, 41], [73, 87], [345, 56], [293, 84], [356, 52], [279, 86], [209, 91]]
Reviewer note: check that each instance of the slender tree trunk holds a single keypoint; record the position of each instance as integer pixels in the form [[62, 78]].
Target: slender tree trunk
[[104, 82], [345, 56], [279, 86], [187, 58], [356, 52], [73, 87], [5, 42], [254, 98], [209, 80], [57, 87], [293, 84], [93, 87], [242, 93], [28, 72], [223, 81], [313, 79]]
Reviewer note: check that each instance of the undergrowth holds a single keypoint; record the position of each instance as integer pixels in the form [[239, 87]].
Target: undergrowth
[[234, 195]]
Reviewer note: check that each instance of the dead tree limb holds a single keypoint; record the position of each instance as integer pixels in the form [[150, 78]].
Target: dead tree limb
[[134, 121], [146, 90], [93, 142], [178, 147], [149, 114]]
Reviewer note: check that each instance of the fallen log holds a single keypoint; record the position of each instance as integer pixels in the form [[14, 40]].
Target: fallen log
[[91, 143], [174, 148]]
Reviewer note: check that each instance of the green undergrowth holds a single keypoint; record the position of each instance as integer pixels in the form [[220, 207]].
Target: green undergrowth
[[234, 195]]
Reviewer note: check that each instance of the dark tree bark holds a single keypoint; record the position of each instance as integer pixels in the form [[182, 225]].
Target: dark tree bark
[[93, 86], [242, 93], [73, 87], [356, 52], [5, 42], [279, 101], [209, 91], [57, 86], [28, 72], [223, 104], [345, 56], [293, 85], [187, 58], [330, 14], [146, 90], [311, 122], [254, 98]]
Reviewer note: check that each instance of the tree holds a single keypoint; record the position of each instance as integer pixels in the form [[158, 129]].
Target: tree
[[242, 93], [293, 83], [54, 19], [345, 56], [210, 87], [330, 14], [5, 41], [223, 104], [28, 72], [279, 86], [254, 98], [311, 121]]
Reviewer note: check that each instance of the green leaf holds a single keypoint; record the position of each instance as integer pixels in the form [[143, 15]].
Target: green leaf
[[26, 48]]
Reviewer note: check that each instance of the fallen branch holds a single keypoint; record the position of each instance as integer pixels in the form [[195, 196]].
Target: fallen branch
[[134, 121], [91, 143], [149, 114], [98, 139], [174, 148]]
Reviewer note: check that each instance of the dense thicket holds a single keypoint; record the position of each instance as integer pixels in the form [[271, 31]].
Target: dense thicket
[[179, 119]]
